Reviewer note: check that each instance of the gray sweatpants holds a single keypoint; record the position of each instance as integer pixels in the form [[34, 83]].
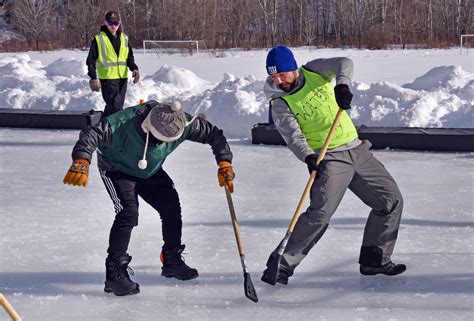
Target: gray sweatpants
[[358, 170]]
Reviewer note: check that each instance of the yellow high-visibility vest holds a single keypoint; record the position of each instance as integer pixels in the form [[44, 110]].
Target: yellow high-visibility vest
[[108, 64], [315, 108]]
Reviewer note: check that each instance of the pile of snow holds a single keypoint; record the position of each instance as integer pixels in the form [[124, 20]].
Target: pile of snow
[[178, 78], [28, 84], [168, 83], [66, 67], [234, 104], [443, 97]]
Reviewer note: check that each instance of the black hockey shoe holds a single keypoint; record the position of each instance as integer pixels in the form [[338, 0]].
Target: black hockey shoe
[[117, 278], [283, 272], [174, 266], [387, 269], [282, 277]]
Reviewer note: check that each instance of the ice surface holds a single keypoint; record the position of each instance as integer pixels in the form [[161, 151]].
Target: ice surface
[[53, 239]]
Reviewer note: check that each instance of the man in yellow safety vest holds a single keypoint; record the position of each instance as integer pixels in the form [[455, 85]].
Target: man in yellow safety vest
[[110, 57], [303, 107]]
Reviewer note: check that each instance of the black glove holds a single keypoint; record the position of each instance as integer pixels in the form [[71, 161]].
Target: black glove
[[310, 160], [343, 96]]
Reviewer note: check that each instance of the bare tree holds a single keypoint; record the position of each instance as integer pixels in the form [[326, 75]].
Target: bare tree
[[252, 23], [359, 10], [33, 18], [83, 21], [270, 10]]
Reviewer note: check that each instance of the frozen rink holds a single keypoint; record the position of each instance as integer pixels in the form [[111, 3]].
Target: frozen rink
[[53, 239]]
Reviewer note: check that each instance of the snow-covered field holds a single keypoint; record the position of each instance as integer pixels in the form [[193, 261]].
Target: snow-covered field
[[53, 237], [395, 88]]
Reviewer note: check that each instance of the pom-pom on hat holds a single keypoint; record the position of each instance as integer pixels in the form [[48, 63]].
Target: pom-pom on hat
[[280, 59]]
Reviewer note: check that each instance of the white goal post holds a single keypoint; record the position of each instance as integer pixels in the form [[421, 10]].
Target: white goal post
[[193, 43], [462, 37]]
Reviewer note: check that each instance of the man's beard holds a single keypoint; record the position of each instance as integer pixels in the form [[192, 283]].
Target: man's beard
[[288, 87]]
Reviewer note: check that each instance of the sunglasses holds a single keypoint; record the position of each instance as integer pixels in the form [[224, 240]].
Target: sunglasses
[[113, 23]]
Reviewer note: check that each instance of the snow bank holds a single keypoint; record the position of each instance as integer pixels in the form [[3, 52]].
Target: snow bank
[[443, 97], [27, 84], [179, 78], [235, 104], [168, 83], [66, 67]]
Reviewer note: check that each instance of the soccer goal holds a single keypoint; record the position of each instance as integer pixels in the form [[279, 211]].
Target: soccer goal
[[461, 44], [183, 47]]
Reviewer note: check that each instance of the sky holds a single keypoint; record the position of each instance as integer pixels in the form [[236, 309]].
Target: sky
[[53, 237]]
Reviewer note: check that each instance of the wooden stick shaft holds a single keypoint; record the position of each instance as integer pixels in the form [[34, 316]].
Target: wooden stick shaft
[[234, 220], [322, 153], [8, 307]]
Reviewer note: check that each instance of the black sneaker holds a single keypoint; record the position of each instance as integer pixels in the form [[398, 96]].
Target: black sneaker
[[117, 278], [174, 266], [282, 276], [387, 269]]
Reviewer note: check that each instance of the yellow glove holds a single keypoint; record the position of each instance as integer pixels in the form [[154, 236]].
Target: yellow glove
[[78, 173], [226, 175]]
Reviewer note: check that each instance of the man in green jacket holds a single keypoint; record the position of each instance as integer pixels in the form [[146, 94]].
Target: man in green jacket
[[303, 107], [132, 146]]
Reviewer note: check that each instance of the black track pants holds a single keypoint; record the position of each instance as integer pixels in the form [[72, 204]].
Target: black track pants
[[158, 191], [113, 92]]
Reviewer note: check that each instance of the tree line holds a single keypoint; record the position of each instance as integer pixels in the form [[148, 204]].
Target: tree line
[[373, 24]]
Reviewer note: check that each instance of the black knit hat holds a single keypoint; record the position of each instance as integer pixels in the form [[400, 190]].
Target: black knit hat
[[112, 16]]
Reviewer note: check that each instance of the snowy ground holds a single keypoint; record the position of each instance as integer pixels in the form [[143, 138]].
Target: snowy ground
[[53, 240], [392, 88]]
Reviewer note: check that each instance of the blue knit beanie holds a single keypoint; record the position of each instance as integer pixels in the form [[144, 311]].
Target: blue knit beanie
[[280, 59]]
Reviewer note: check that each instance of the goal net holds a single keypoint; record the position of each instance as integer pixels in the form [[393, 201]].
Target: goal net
[[182, 47]]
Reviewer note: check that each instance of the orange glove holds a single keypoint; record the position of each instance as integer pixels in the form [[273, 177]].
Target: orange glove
[[78, 173], [226, 175]]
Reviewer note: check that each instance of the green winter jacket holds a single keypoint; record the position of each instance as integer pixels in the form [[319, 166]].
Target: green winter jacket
[[120, 142], [127, 146]]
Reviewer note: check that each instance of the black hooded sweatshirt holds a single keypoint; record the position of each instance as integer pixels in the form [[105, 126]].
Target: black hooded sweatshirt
[[94, 52]]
